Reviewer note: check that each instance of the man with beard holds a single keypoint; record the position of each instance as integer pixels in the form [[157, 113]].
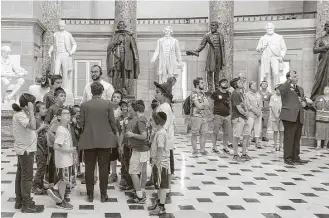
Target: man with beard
[[222, 119], [200, 109], [96, 73], [216, 54], [40, 88]]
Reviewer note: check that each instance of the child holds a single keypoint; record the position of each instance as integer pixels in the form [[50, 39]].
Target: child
[[153, 128], [140, 152], [164, 96], [124, 123], [116, 99], [25, 144], [277, 125], [55, 82], [42, 149], [160, 155], [64, 149], [59, 97]]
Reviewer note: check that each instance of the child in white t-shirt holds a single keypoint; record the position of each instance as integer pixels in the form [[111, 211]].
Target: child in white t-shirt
[[64, 149]]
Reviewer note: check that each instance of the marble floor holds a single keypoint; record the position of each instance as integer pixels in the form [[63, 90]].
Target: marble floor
[[208, 186]]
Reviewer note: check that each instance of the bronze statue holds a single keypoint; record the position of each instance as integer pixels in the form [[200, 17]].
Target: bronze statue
[[122, 59], [321, 47], [216, 54]]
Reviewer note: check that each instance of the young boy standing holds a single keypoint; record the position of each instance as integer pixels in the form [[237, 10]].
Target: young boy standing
[[140, 153], [60, 97], [55, 82], [64, 149], [163, 94], [25, 144], [42, 149], [160, 155]]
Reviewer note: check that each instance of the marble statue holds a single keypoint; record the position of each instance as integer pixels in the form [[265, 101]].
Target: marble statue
[[321, 47], [61, 52], [216, 54], [11, 76], [168, 52], [273, 49], [122, 59]]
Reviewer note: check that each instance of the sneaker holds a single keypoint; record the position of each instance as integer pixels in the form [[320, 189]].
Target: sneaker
[[39, 191], [195, 153], [253, 140], [158, 211], [149, 183], [230, 145], [136, 200], [214, 150], [245, 157], [67, 200], [236, 158], [113, 178], [32, 209], [259, 146], [18, 205], [240, 144], [154, 206], [264, 139], [204, 152], [54, 194], [64, 205], [226, 150]]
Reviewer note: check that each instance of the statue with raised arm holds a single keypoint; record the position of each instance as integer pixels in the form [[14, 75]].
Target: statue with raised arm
[[216, 54], [168, 52], [273, 49], [11, 76], [122, 59], [61, 52], [321, 47]]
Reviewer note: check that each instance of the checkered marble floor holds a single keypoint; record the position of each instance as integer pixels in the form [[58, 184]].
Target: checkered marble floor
[[208, 186]]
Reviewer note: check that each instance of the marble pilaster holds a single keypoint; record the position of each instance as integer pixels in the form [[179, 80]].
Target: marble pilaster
[[223, 12], [51, 12], [322, 16], [126, 10]]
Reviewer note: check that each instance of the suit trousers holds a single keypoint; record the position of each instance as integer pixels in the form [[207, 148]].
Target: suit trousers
[[212, 80], [62, 65], [265, 118], [291, 141], [24, 177], [102, 156]]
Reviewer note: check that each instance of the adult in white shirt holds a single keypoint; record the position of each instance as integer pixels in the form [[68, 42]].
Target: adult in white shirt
[[39, 89], [96, 73]]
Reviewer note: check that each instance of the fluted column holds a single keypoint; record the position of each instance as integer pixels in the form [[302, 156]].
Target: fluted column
[[126, 10], [51, 13], [223, 12], [322, 16]]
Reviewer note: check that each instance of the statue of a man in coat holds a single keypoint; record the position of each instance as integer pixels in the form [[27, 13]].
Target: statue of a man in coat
[[122, 59], [168, 52], [216, 54]]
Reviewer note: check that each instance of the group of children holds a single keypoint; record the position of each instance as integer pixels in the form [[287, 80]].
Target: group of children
[[140, 140]]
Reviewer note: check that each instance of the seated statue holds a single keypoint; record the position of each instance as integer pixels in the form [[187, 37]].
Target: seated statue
[[11, 76]]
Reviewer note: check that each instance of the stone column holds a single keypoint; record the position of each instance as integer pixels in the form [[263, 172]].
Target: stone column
[[322, 16], [51, 13], [126, 10], [223, 12]]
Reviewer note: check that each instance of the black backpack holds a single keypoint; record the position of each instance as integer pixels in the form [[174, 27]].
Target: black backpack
[[187, 105]]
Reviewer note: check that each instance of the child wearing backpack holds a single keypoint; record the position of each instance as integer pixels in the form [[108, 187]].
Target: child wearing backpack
[[137, 139]]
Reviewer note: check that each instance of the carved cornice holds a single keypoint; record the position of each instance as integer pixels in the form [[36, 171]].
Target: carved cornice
[[22, 22]]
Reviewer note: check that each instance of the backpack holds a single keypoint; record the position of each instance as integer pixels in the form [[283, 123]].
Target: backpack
[[187, 105]]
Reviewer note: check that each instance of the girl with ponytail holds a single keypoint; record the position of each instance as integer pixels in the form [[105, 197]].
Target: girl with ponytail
[[25, 144]]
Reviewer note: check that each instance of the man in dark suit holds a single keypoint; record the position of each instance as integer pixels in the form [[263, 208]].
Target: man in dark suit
[[98, 137], [292, 116]]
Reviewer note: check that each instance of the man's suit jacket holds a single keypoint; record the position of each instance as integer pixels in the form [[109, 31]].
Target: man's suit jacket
[[70, 44], [291, 105], [98, 124]]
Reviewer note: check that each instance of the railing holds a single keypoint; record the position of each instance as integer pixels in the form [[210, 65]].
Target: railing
[[195, 20]]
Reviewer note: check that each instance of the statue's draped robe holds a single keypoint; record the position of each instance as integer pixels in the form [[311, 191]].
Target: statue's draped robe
[[322, 75]]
